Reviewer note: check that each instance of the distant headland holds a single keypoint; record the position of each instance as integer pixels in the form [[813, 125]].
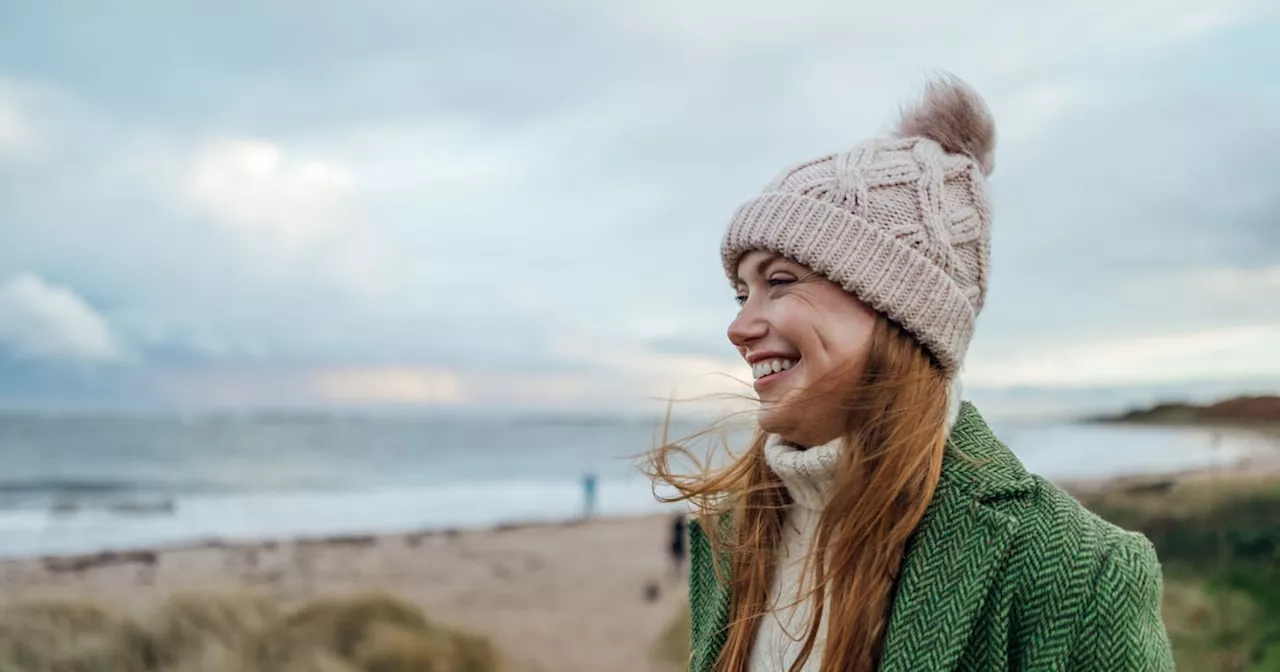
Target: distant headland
[[1237, 411]]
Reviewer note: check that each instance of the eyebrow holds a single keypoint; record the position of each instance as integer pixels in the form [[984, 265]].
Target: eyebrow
[[762, 266]]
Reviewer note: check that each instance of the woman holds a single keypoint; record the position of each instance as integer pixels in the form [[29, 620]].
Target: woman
[[875, 523]]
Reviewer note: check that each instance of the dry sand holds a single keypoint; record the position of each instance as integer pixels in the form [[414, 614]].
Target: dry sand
[[554, 597]]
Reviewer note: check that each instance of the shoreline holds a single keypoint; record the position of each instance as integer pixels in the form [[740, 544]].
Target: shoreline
[[1257, 466], [355, 538], [1263, 457], [1261, 464], [1262, 461], [1268, 429], [570, 595]]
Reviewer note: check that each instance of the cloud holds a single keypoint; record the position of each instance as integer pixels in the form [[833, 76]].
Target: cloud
[[21, 137], [289, 215], [43, 321], [1244, 353], [543, 225], [1231, 296], [390, 385], [13, 130], [246, 183]]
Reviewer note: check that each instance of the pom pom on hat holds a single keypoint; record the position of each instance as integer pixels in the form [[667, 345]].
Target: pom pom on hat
[[955, 116]]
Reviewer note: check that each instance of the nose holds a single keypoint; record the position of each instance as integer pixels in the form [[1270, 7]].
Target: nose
[[747, 327]]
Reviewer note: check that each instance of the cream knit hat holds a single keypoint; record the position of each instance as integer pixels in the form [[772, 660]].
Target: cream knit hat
[[901, 222]]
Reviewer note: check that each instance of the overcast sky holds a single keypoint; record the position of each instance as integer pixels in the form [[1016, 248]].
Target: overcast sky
[[519, 204]]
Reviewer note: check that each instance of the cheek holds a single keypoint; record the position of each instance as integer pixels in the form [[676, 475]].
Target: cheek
[[799, 325], [839, 336], [853, 351], [826, 325]]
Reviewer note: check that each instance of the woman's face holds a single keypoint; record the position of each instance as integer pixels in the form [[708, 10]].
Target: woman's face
[[796, 328]]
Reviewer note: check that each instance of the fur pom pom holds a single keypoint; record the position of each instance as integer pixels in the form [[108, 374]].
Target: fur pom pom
[[955, 116]]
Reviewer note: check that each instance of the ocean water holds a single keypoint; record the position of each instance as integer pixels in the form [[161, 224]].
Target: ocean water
[[81, 483]]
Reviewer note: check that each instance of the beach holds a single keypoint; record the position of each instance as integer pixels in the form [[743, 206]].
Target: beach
[[551, 590], [584, 595], [560, 597]]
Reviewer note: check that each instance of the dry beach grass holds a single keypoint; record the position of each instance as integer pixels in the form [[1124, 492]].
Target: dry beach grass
[[235, 631], [589, 596]]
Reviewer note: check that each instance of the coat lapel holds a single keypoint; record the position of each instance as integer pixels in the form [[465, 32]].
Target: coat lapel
[[708, 598], [954, 556], [948, 571]]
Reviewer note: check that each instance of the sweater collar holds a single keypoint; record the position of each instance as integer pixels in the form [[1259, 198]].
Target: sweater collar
[[810, 473], [807, 473]]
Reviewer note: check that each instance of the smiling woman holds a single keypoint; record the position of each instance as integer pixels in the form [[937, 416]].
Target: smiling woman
[[875, 522], [796, 330]]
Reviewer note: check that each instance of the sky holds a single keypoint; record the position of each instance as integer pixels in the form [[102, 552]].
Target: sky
[[511, 205]]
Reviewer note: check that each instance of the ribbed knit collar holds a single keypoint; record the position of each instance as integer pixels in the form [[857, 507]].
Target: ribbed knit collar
[[810, 473], [807, 473]]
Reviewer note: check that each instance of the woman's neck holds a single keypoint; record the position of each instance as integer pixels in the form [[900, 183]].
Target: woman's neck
[[809, 472]]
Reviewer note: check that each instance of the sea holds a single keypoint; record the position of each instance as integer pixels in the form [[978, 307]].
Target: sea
[[77, 482]]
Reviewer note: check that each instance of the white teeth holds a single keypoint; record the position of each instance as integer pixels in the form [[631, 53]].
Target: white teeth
[[762, 369]]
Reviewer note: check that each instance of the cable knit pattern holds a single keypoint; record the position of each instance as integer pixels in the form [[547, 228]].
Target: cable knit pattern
[[809, 475], [902, 223]]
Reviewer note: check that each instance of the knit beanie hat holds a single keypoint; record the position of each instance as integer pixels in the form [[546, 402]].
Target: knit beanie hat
[[901, 222]]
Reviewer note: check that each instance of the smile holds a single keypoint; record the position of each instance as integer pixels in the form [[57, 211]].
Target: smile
[[770, 367]]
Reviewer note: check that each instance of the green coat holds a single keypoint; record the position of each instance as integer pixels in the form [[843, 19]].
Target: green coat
[[1005, 572]]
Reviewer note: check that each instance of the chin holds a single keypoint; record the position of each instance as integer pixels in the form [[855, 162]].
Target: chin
[[773, 418], [809, 424]]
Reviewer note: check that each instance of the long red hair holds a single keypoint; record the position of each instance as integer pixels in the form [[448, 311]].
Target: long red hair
[[894, 416]]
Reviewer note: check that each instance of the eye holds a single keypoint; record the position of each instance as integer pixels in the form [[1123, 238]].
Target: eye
[[740, 299], [781, 279]]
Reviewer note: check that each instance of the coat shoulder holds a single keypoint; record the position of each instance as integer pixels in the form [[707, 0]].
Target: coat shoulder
[[1074, 590], [1052, 525], [1080, 588], [1057, 527]]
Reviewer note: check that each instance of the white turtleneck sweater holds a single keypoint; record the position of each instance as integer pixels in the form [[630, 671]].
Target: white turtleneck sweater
[[808, 474]]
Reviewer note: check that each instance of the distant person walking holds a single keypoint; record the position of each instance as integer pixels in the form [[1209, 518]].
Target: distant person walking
[[588, 495], [677, 547], [875, 522]]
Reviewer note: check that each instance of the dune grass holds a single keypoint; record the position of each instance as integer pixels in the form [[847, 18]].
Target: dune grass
[[1218, 539], [236, 632]]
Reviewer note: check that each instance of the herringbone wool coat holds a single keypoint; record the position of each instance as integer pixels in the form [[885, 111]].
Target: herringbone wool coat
[[1005, 572]]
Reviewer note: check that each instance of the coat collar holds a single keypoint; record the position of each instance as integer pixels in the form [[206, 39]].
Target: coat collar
[[949, 567], [952, 559]]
